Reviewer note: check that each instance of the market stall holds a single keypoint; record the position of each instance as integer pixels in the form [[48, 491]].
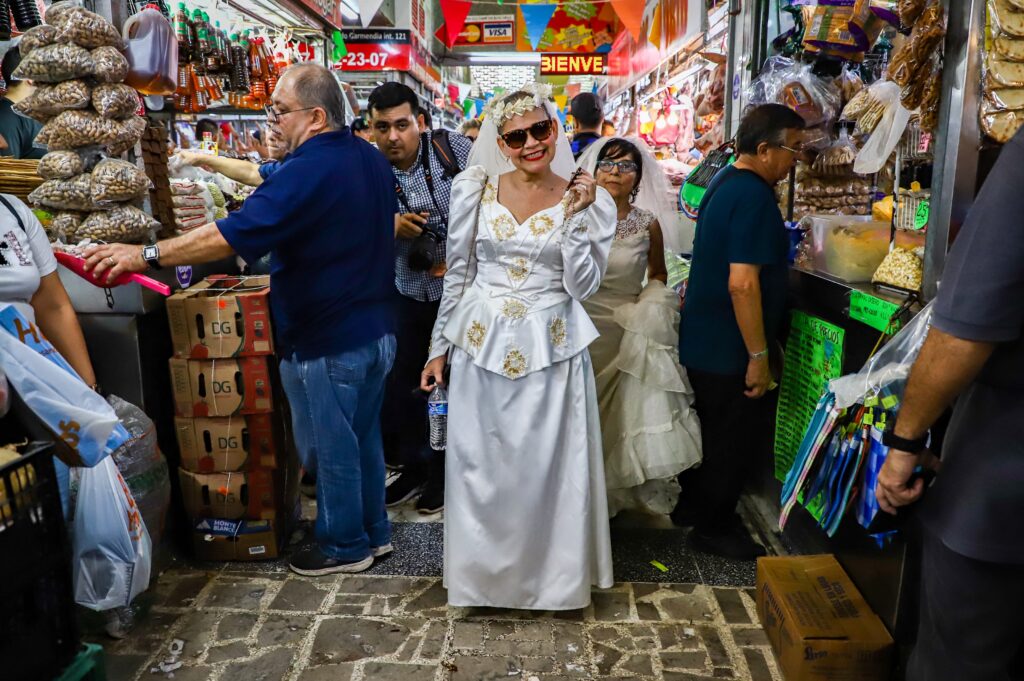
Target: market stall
[[894, 126]]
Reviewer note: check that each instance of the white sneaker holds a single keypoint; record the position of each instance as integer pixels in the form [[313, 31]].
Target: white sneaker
[[381, 551]]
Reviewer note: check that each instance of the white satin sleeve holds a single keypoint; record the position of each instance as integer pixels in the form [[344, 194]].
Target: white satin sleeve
[[467, 189], [586, 244]]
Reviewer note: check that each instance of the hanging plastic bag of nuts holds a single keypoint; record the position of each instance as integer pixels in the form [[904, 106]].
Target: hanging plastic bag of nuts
[[115, 101], [50, 100], [55, 12], [73, 194], [73, 129], [110, 66], [80, 26], [129, 133], [115, 180], [61, 165], [59, 62], [65, 223], [123, 224], [40, 36]]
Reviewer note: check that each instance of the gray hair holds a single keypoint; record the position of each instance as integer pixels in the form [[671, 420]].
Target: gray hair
[[315, 86]]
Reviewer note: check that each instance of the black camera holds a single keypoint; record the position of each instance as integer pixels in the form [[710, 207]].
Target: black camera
[[422, 252]]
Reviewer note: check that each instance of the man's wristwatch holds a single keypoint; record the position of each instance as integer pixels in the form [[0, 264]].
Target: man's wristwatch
[[151, 254], [893, 441]]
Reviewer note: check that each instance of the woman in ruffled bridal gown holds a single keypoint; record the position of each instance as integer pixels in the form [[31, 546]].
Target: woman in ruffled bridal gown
[[526, 518], [649, 427]]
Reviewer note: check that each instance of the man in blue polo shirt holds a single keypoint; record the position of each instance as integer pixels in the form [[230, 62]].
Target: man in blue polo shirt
[[327, 218]]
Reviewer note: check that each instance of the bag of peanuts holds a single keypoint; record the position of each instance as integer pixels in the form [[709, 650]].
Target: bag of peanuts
[[109, 65], [58, 62], [115, 180], [37, 36], [73, 129], [50, 100], [115, 101], [56, 11], [123, 224], [129, 132], [62, 165], [65, 223], [80, 26], [72, 194]]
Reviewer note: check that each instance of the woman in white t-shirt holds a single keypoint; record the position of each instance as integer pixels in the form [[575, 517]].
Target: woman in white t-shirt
[[29, 281]]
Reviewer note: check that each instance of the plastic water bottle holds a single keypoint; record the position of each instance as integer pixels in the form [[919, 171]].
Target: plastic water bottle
[[437, 414]]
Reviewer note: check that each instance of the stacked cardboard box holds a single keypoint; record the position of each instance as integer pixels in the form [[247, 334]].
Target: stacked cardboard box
[[239, 477]]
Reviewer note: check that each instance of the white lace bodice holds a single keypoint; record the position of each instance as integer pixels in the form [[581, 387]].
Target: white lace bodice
[[514, 304]]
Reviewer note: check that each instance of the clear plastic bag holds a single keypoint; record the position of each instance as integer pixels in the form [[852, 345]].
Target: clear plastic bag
[[129, 132], [114, 180], [115, 100], [56, 63], [886, 134], [112, 549], [72, 194], [89, 30], [890, 366], [110, 66], [55, 12], [74, 129], [38, 36], [51, 100], [123, 224], [65, 164], [783, 81], [65, 223]]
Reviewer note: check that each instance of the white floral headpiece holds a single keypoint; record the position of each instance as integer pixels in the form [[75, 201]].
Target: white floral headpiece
[[503, 109]]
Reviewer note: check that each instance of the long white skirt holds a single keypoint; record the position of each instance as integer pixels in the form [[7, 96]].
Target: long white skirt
[[526, 516]]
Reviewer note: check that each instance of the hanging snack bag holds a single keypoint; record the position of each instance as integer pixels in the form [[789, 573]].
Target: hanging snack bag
[[110, 65], [56, 63], [65, 223], [39, 36], [124, 224], [115, 101], [73, 194], [50, 100], [73, 129], [115, 180], [87, 29], [129, 132], [62, 165]]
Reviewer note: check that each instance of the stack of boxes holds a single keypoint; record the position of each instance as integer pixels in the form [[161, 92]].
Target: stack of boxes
[[239, 477]]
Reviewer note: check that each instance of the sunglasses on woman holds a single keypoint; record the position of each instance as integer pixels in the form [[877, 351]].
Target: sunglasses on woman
[[625, 167], [540, 131]]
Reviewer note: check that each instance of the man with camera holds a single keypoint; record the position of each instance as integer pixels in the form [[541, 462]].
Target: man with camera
[[424, 163]]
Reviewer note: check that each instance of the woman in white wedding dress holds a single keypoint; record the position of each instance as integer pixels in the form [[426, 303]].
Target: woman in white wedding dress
[[526, 518], [649, 427]]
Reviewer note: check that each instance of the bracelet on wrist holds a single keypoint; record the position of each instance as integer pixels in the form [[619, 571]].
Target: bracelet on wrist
[[758, 355]]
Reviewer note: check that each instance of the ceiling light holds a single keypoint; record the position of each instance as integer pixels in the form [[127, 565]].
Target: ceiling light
[[511, 58]]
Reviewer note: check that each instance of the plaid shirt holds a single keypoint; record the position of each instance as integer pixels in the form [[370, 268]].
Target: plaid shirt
[[423, 286]]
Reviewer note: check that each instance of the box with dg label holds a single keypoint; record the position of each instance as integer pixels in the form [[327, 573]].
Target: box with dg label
[[222, 317], [222, 387], [251, 495], [215, 445]]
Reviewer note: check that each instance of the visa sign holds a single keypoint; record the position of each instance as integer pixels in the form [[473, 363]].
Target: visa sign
[[573, 64]]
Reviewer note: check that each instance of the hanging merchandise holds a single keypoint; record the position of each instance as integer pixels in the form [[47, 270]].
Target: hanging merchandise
[[152, 52], [697, 183], [367, 10], [26, 14]]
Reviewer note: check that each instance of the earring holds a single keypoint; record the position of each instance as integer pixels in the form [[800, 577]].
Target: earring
[[632, 194]]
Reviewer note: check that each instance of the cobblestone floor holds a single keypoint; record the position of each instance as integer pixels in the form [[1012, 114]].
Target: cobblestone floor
[[260, 623]]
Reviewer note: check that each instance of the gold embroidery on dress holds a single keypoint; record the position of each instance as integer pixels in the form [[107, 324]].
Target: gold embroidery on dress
[[518, 270], [504, 227], [513, 309], [514, 365], [557, 332], [541, 225], [476, 334], [490, 193]]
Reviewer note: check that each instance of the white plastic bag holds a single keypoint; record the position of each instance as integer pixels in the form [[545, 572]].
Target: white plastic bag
[[112, 549], [890, 365], [886, 135]]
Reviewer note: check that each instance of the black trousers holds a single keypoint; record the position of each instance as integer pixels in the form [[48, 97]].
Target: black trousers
[[404, 414], [735, 433], [969, 628]]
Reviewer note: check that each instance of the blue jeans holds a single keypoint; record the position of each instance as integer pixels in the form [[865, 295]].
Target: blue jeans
[[335, 404]]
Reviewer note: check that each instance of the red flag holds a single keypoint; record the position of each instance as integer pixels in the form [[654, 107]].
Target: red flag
[[454, 13]]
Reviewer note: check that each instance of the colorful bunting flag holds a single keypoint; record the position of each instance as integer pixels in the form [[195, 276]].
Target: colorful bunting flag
[[454, 13], [631, 13], [536, 18], [467, 107], [561, 101], [654, 35], [453, 93], [479, 106], [340, 50], [367, 10]]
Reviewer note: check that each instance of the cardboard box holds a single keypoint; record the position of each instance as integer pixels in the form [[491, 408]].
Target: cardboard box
[[250, 495], [222, 387], [217, 445], [222, 316], [818, 623], [216, 539]]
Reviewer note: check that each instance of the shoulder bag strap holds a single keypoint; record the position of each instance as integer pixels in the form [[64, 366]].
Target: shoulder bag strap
[[3, 200]]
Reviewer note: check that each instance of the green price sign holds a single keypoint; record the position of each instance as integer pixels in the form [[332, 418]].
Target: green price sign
[[921, 217], [874, 312]]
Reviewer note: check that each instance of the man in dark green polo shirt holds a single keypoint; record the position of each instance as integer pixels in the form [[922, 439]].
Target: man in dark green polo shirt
[[19, 133], [734, 310]]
